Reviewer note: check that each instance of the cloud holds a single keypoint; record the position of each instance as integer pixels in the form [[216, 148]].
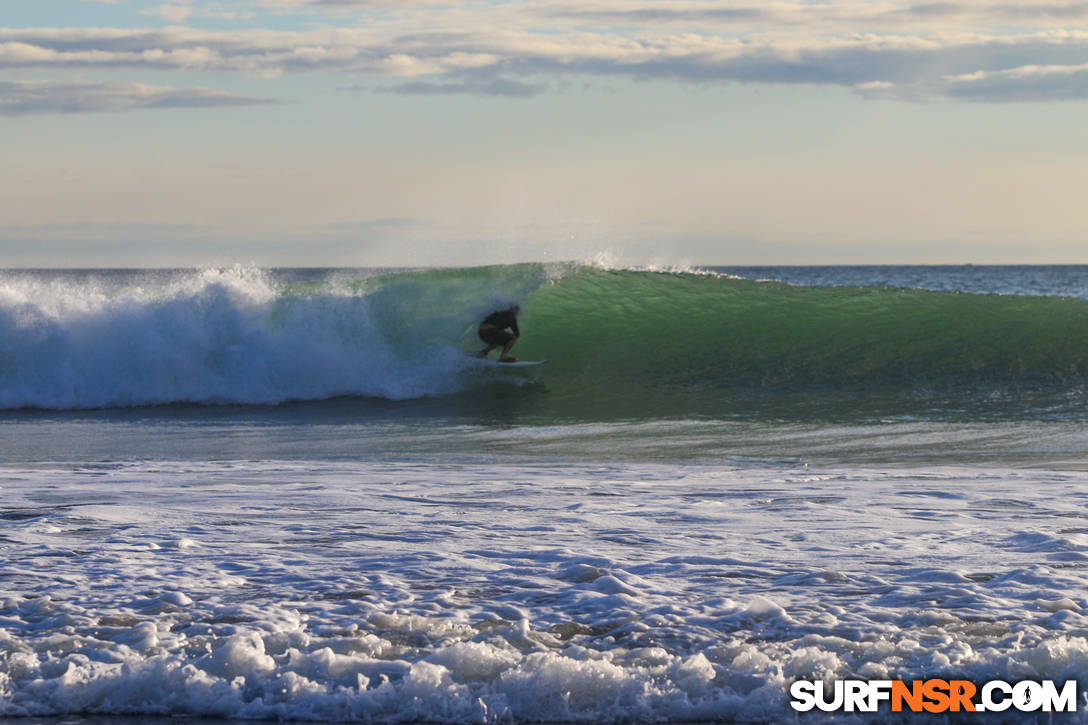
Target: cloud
[[1036, 83], [483, 86], [843, 15], [877, 47], [852, 14], [18, 98], [181, 11], [173, 13]]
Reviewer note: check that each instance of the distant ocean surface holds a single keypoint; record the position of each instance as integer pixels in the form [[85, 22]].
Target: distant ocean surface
[[293, 494]]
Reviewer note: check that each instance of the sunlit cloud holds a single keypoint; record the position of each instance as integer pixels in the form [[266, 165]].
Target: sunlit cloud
[[924, 64], [891, 49], [173, 13], [841, 16], [183, 11]]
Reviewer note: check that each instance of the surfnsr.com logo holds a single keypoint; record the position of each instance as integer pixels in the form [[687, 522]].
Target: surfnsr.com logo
[[934, 696]]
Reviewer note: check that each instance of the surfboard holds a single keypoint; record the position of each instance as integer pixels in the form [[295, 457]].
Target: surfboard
[[516, 364]]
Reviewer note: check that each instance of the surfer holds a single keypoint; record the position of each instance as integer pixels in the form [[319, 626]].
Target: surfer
[[500, 328]]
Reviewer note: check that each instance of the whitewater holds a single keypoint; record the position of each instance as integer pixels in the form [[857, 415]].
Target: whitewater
[[293, 495]]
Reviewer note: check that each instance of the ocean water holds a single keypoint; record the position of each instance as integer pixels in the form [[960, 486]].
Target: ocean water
[[291, 494]]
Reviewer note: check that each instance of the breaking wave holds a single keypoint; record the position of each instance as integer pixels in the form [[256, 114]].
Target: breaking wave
[[620, 342]]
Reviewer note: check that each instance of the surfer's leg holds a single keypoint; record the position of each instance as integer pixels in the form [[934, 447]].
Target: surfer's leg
[[489, 336], [506, 350]]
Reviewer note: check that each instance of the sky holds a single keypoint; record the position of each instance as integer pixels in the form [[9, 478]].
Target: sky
[[650, 132]]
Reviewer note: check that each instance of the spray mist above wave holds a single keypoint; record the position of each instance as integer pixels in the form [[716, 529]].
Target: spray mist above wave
[[234, 336]]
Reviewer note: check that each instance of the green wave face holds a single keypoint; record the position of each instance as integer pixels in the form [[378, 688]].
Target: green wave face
[[631, 343]]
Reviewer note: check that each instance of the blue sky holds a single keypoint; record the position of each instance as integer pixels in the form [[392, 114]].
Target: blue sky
[[362, 132]]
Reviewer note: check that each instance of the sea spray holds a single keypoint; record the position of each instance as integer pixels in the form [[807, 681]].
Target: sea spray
[[208, 337]]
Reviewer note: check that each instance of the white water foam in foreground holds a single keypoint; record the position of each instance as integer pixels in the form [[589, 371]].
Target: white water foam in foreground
[[399, 591]]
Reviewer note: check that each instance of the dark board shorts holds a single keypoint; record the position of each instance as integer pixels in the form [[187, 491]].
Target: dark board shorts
[[495, 336]]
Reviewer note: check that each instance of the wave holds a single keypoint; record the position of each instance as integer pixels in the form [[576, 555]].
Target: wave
[[709, 338], [620, 342], [236, 336]]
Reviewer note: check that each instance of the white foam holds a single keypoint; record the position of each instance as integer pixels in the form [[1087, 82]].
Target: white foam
[[211, 336], [498, 593]]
